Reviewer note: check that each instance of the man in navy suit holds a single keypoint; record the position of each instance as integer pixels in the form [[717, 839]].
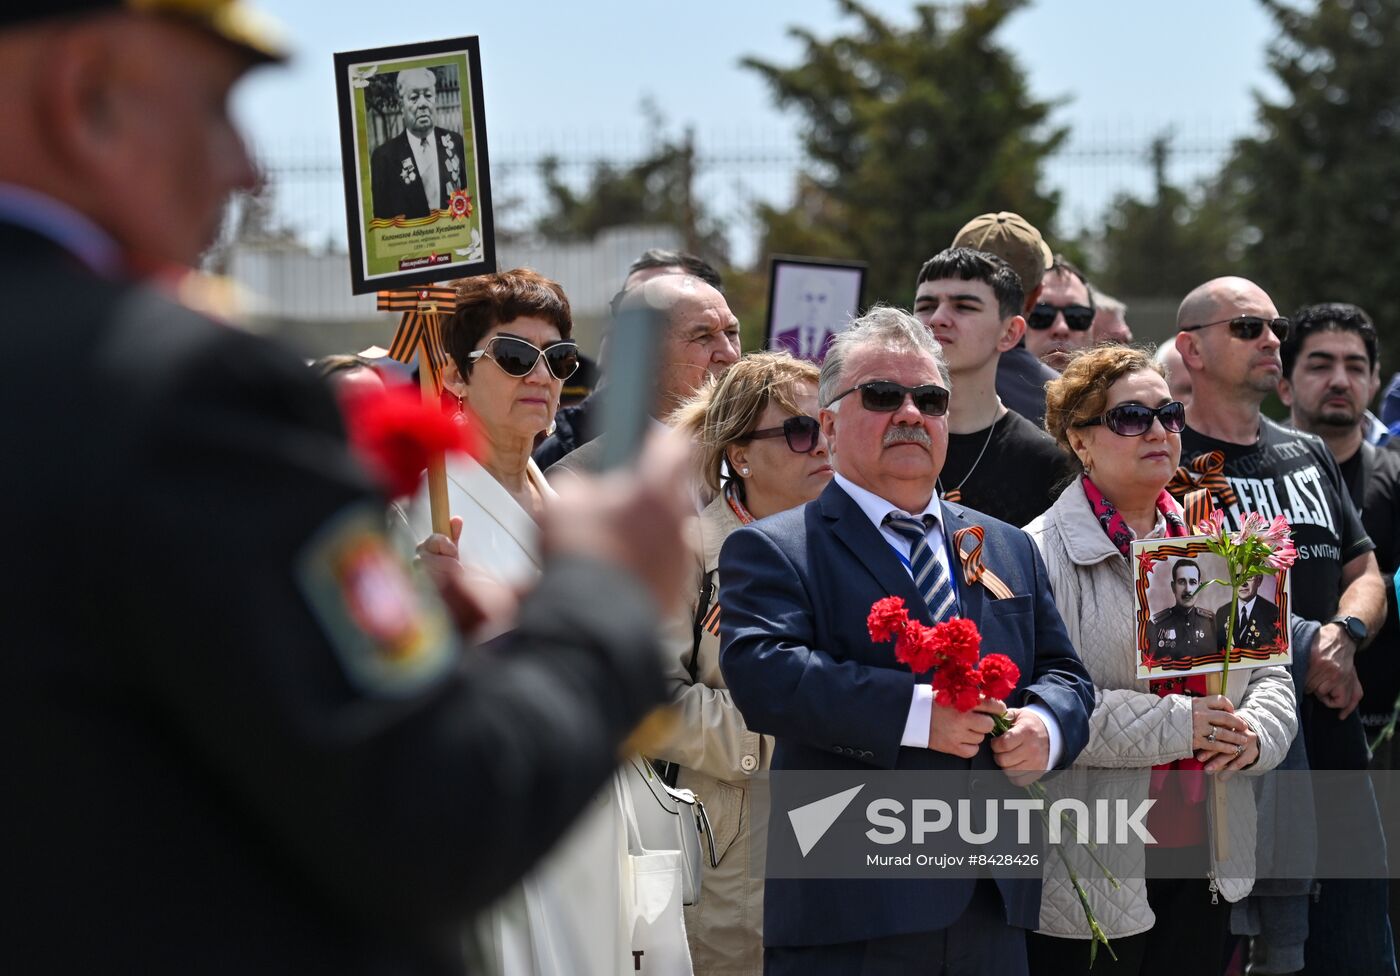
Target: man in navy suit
[[417, 171], [796, 590]]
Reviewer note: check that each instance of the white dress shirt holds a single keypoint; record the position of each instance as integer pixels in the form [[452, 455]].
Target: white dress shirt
[[916, 726], [425, 157]]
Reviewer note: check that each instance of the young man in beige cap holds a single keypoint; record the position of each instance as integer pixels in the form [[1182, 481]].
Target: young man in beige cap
[[1021, 377]]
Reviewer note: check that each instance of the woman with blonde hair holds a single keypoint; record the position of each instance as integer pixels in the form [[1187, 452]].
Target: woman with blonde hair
[[759, 450], [1112, 411]]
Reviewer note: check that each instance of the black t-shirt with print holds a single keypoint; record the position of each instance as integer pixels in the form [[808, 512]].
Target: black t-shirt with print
[[1372, 477], [1290, 473], [1014, 479], [1287, 472]]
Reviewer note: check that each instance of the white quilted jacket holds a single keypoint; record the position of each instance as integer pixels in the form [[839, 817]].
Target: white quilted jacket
[[1132, 728]]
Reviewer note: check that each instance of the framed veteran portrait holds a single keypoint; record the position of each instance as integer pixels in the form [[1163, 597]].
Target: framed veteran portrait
[[809, 301], [1183, 618], [414, 159]]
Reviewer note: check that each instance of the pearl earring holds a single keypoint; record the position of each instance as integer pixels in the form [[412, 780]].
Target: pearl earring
[[744, 472]]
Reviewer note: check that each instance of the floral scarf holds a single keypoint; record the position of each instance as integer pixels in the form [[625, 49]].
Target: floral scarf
[[1193, 686]]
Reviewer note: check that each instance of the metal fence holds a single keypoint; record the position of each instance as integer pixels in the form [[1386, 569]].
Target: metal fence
[[303, 209]]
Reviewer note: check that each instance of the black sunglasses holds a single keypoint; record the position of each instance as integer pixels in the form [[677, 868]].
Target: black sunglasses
[[516, 357], [884, 396], [1077, 317], [1135, 419], [1248, 327], [802, 434]]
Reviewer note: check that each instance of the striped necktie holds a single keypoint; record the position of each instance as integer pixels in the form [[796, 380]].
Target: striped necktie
[[930, 575]]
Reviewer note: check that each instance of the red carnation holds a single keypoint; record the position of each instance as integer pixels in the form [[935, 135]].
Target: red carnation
[[395, 433], [958, 640], [999, 675], [916, 648], [955, 686], [887, 619]]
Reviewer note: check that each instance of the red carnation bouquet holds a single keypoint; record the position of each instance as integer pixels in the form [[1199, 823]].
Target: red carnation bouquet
[[951, 651], [394, 433], [961, 679]]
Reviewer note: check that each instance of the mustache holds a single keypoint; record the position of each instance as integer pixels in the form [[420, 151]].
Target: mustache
[[907, 435]]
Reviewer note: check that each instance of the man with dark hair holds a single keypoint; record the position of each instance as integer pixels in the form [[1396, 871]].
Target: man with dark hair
[[1229, 334], [1331, 369], [1062, 320], [417, 171], [1183, 630], [259, 746], [998, 462], [1021, 377]]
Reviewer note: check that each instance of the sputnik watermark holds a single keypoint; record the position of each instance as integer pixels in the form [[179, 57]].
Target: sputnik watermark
[[1065, 819]]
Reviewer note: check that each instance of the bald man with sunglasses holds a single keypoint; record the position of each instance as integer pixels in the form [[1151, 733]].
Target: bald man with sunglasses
[[1229, 334]]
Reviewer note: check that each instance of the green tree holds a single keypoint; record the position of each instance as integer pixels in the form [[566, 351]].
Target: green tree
[[909, 133], [1319, 186], [658, 189], [1168, 245]]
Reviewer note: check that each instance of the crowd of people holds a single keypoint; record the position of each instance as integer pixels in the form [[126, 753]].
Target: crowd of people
[[295, 729]]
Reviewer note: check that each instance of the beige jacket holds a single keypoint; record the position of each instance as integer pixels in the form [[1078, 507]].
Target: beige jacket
[[721, 761], [1131, 727]]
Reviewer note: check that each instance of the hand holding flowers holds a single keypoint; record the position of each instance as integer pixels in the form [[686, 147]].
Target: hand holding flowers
[[968, 695]]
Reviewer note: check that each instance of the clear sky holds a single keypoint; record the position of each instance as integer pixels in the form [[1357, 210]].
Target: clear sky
[[575, 74]]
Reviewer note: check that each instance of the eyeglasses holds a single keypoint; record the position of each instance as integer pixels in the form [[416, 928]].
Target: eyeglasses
[[516, 357], [1077, 317], [1135, 419], [1248, 327], [884, 396], [802, 434]]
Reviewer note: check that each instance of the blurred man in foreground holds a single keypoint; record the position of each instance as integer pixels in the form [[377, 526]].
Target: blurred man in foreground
[[245, 740]]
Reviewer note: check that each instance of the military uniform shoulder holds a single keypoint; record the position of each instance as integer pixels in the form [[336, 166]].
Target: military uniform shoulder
[[1201, 612], [1162, 616]]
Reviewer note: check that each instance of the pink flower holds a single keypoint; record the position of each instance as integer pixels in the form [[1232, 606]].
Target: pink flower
[[1283, 556], [1214, 525], [1278, 532], [1253, 524]]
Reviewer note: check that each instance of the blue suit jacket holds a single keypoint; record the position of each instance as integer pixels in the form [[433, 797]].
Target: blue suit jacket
[[795, 590]]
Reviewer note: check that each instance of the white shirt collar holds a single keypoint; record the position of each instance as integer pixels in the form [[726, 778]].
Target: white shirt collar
[[1247, 607], [876, 508]]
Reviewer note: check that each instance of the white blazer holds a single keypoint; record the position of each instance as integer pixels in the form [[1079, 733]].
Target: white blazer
[[499, 537]]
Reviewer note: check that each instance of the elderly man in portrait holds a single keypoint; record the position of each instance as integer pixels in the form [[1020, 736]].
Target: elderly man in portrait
[[796, 590], [417, 171]]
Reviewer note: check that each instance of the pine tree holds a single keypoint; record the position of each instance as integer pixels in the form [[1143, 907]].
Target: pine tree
[[1320, 185], [909, 134]]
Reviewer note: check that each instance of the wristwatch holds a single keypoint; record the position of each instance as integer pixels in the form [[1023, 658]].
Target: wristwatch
[[1354, 627]]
